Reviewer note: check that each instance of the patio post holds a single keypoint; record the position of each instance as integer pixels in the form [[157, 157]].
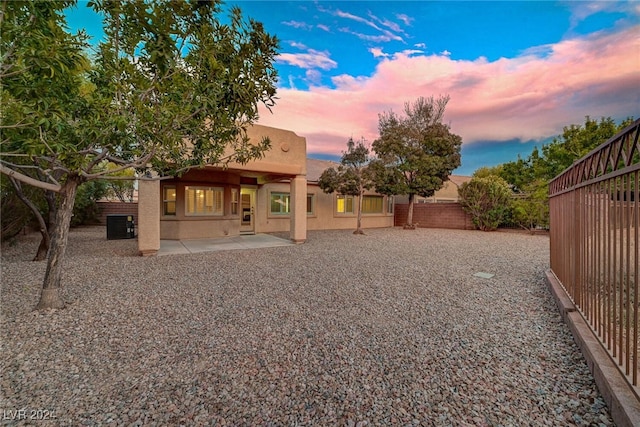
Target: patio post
[[148, 221], [298, 230]]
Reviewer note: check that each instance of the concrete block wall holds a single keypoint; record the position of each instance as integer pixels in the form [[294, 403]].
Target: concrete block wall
[[116, 208], [434, 215]]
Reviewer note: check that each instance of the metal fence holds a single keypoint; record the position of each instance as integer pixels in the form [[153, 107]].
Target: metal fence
[[594, 210]]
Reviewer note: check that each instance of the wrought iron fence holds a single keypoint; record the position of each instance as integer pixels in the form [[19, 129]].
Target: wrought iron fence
[[594, 210]]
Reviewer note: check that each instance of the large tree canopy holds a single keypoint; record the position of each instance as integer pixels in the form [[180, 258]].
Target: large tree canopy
[[416, 152], [181, 85], [170, 87], [574, 142]]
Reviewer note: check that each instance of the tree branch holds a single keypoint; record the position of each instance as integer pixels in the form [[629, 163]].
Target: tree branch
[[141, 162], [100, 156], [28, 180]]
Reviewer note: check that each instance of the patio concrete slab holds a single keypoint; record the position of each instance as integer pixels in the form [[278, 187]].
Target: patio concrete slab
[[175, 247]]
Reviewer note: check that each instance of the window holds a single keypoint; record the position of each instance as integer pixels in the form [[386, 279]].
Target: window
[[169, 200], [372, 204], [280, 203], [389, 204], [204, 201], [344, 204], [234, 201], [311, 204]]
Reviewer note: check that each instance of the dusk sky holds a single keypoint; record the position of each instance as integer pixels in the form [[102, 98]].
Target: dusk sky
[[517, 72]]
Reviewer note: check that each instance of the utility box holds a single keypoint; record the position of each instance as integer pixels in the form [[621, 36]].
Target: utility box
[[120, 227]]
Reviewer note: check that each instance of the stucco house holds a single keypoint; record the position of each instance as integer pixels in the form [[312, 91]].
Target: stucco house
[[276, 193], [449, 191], [447, 194]]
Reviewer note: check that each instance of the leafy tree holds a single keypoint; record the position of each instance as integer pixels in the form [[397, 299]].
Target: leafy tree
[[530, 209], [486, 200], [40, 66], [416, 152], [85, 208], [518, 173], [35, 204], [575, 142], [171, 88], [15, 213], [121, 187], [486, 171], [529, 177], [352, 177]]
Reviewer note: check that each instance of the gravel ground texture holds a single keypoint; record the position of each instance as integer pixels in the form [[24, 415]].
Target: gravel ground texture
[[390, 328]]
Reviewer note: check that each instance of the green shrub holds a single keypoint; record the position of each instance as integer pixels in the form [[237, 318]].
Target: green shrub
[[487, 200], [531, 208], [85, 210]]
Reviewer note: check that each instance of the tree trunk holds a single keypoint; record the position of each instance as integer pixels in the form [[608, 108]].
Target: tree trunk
[[359, 218], [50, 197], [409, 225], [41, 253], [51, 296], [44, 245]]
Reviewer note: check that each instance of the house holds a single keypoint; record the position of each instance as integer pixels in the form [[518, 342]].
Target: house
[[277, 193], [447, 194], [325, 211], [449, 191]]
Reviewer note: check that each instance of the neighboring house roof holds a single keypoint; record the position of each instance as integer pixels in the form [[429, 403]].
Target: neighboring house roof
[[458, 180], [315, 167]]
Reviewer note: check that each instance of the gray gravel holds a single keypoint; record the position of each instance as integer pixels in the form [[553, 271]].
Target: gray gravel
[[391, 328]]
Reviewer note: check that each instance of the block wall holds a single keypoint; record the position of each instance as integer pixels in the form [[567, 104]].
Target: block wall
[[434, 215], [116, 208]]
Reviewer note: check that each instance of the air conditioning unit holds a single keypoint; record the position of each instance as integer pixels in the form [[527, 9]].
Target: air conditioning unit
[[120, 227]]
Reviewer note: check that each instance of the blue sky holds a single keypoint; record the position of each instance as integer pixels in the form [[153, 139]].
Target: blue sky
[[516, 71]]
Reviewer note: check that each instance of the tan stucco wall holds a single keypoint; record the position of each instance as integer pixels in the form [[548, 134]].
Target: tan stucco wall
[[448, 192], [288, 153], [324, 217], [200, 228]]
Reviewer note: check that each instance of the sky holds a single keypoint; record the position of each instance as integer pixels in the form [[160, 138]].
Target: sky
[[516, 72]]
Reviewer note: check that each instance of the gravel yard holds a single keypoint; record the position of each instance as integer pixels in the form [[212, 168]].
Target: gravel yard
[[391, 328]]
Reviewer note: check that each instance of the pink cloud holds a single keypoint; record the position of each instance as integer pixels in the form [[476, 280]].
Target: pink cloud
[[528, 97], [377, 52]]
